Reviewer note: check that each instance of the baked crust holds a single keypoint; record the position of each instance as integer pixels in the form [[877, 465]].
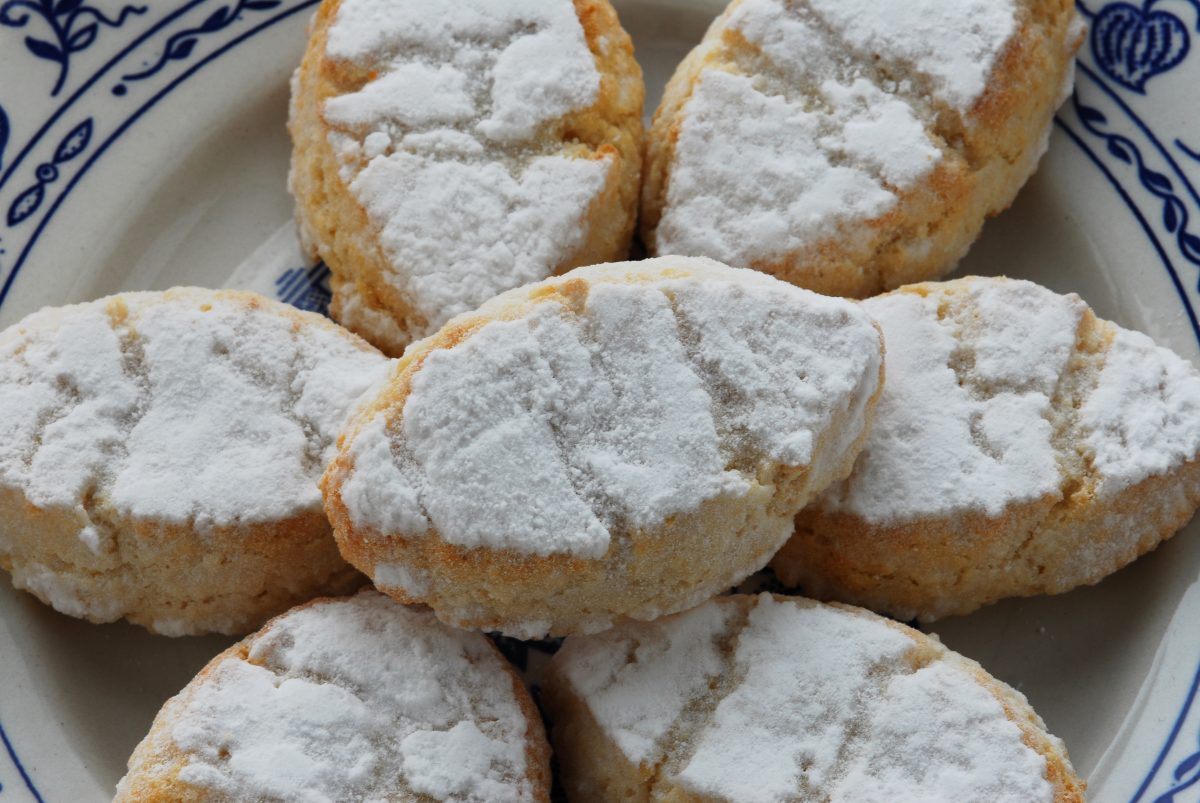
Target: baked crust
[[334, 226], [157, 761], [988, 153], [646, 572], [592, 766], [931, 566], [182, 576]]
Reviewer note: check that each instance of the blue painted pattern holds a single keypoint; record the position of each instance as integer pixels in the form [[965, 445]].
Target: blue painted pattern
[[181, 44], [1174, 211], [306, 288], [3, 134], [71, 146], [1130, 45], [73, 24]]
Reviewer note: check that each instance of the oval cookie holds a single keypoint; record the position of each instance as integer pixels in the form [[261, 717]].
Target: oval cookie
[[347, 699], [623, 441], [159, 456], [1022, 446], [852, 147], [764, 699], [447, 151]]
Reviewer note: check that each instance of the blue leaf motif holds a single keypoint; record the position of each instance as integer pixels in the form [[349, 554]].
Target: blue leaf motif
[[83, 37], [216, 20], [66, 6], [25, 205], [1092, 115], [1170, 218], [1190, 244], [43, 50], [181, 49], [1118, 150], [3, 134], [1156, 180], [260, 5], [74, 142], [1187, 764]]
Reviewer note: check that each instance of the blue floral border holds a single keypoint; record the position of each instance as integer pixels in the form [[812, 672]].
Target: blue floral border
[[1129, 46], [306, 291]]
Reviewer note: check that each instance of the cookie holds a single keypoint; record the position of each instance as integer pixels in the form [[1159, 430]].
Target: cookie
[[623, 441], [1022, 446], [347, 699], [447, 151], [772, 698], [159, 457], [851, 146]]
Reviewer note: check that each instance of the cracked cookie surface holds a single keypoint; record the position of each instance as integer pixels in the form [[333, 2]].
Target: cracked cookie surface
[[622, 441], [348, 699], [160, 456], [852, 147], [1022, 446], [769, 698], [447, 151]]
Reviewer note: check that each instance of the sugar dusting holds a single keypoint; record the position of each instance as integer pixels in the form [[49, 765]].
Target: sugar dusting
[[546, 433], [964, 420], [813, 702], [357, 699], [446, 149], [967, 419], [817, 136], [190, 407]]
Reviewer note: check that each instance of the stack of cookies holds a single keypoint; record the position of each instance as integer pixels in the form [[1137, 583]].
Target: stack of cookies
[[600, 453]]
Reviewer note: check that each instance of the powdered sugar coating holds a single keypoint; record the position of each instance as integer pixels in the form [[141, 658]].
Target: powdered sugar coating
[[964, 422], [356, 699], [920, 715], [808, 701], [445, 146], [185, 407], [1143, 419], [812, 132], [670, 664], [972, 418], [954, 42], [547, 433], [465, 231]]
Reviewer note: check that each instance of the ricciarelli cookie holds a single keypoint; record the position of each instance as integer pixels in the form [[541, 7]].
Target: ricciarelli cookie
[[852, 146], [159, 457], [1022, 446], [347, 699], [764, 699], [447, 151], [620, 442]]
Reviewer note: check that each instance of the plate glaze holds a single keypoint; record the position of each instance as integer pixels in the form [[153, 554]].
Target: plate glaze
[[143, 146]]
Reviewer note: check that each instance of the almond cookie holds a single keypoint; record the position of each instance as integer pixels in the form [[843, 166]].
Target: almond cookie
[[447, 151], [852, 146], [159, 456], [1022, 446], [623, 441], [770, 698], [347, 699]]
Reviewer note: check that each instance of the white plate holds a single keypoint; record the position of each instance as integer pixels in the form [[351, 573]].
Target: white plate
[[144, 146]]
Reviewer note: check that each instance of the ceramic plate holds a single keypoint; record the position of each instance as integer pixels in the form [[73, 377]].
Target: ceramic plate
[[143, 146]]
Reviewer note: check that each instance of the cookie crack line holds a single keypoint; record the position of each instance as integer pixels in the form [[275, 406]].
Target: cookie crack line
[[705, 707], [133, 367], [515, 155], [923, 97], [917, 90]]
